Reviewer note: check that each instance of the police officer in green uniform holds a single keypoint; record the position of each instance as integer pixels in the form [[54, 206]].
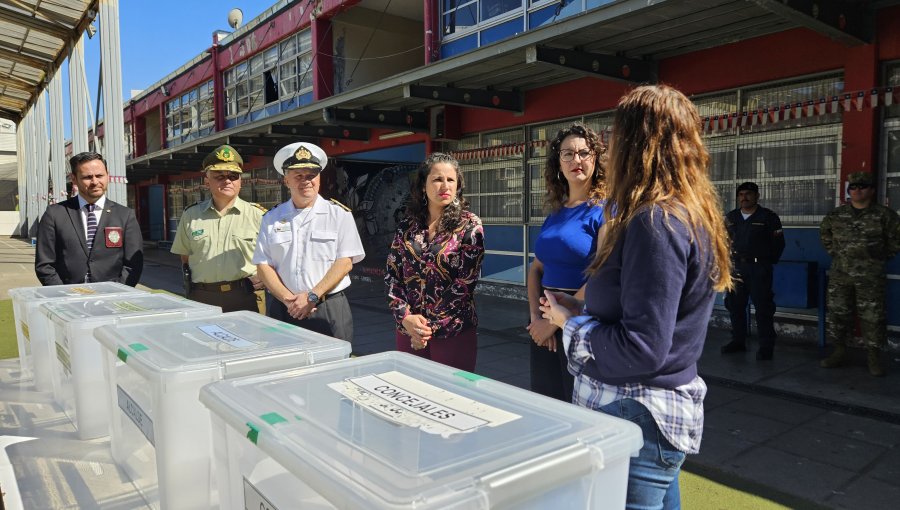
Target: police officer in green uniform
[[216, 238], [861, 236], [757, 242]]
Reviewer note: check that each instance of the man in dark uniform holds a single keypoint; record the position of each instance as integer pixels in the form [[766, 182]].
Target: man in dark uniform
[[757, 241]]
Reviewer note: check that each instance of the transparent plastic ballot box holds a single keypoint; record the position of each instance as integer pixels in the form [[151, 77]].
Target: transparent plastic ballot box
[[395, 431], [33, 331], [77, 377], [159, 430]]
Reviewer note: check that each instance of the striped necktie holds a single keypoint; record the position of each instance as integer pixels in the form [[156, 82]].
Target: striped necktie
[[91, 225]]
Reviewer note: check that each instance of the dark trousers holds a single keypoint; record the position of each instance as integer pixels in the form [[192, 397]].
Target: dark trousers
[[755, 284], [236, 299], [550, 371], [458, 351], [332, 317]]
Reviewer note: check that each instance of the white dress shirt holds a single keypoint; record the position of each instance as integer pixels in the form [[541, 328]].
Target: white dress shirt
[[98, 210], [302, 244]]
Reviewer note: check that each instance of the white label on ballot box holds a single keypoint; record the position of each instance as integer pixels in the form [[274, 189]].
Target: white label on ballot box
[[223, 335], [254, 500], [137, 415], [407, 401]]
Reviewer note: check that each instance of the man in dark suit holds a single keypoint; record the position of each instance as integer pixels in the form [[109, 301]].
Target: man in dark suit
[[89, 238]]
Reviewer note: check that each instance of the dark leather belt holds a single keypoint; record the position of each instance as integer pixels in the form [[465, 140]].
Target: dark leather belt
[[231, 286], [750, 260], [329, 296]]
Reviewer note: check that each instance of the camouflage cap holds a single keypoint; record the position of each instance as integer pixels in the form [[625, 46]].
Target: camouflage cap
[[861, 178], [225, 159]]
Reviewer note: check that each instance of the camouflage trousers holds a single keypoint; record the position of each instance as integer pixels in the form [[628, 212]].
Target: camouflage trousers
[[863, 294]]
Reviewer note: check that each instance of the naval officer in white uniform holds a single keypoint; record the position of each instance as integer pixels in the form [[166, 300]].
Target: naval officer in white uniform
[[307, 247]]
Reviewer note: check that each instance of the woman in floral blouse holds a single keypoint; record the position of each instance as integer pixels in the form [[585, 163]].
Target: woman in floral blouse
[[433, 265]]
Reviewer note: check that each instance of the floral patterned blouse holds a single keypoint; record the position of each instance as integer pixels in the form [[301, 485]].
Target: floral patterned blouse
[[436, 278]]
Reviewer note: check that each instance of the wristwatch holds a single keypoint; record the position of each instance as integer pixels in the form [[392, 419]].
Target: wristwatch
[[312, 297]]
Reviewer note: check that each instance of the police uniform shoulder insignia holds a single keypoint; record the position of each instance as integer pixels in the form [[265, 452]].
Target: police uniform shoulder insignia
[[261, 208], [342, 206]]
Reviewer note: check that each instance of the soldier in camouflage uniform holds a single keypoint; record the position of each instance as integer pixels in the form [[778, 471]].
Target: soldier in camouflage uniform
[[860, 236]]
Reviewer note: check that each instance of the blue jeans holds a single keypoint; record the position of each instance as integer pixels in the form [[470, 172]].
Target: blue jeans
[[653, 474]]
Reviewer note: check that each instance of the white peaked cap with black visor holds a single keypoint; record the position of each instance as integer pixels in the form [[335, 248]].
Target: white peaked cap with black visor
[[300, 156]]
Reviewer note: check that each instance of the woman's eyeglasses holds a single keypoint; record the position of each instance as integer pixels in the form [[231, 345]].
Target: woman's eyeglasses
[[569, 155], [858, 186]]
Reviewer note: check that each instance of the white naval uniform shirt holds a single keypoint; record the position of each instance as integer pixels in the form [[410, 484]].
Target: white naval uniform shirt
[[302, 244]]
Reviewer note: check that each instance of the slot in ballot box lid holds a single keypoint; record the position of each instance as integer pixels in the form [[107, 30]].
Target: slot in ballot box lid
[[393, 430], [237, 342], [119, 308], [77, 290]]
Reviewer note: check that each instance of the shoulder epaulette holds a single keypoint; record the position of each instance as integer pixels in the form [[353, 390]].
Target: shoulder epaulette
[[261, 208], [192, 205], [342, 206]]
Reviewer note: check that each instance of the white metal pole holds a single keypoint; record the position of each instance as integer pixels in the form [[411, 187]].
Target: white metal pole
[[113, 119], [78, 98], [22, 202], [42, 154], [57, 140]]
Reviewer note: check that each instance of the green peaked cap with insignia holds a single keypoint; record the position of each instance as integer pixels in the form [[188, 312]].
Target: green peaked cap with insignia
[[223, 158]]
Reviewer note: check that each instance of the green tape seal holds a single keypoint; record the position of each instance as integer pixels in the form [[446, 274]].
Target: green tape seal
[[138, 347], [469, 376], [253, 433], [285, 325], [122, 355], [270, 418], [273, 418]]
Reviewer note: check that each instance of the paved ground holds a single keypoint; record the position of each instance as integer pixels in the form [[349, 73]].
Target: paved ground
[[804, 436]]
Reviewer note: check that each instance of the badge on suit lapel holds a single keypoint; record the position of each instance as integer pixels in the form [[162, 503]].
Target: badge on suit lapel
[[113, 237]]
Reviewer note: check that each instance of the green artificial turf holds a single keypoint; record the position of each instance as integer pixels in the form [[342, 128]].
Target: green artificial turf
[[8, 346]]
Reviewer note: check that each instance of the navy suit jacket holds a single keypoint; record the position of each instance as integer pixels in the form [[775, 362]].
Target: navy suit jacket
[[63, 256]]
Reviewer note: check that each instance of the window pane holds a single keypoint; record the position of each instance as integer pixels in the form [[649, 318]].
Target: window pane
[[304, 41], [256, 65], [791, 93], [288, 48], [461, 18], [288, 79], [493, 8], [305, 73], [270, 57], [892, 79], [495, 184]]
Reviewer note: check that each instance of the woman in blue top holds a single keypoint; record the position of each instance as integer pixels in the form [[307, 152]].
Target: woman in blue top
[[634, 345], [575, 191]]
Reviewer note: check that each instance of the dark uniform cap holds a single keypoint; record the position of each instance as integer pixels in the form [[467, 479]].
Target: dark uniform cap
[[751, 186], [861, 178], [300, 155], [225, 159]]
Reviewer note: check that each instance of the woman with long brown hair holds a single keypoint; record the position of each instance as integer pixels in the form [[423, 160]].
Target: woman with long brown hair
[[576, 189], [433, 265], [650, 293]]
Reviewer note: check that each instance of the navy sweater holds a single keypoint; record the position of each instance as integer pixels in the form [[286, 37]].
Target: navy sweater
[[653, 298]]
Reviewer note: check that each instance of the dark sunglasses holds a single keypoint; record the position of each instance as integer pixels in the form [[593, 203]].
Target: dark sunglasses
[[858, 186], [223, 176]]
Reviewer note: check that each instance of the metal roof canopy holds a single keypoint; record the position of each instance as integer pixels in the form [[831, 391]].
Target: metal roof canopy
[[35, 39], [633, 29]]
